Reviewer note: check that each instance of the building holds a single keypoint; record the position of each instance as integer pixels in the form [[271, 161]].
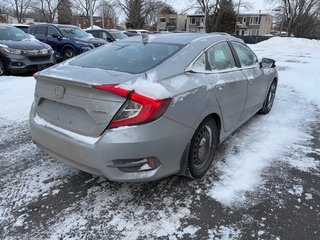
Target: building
[[195, 23], [6, 18], [253, 24], [84, 22], [171, 22]]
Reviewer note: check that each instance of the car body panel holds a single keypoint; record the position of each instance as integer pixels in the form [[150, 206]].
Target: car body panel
[[222, 94]]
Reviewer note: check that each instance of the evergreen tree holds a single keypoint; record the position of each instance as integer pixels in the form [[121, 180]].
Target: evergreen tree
[[135, 17], [64, 12], [167, 9], [224, 19]]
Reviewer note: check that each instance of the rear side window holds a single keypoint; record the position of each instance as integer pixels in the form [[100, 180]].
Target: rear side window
[[130, 57], [95, 34], [41, 30], [32, 30], [246, 56], [220, 57]]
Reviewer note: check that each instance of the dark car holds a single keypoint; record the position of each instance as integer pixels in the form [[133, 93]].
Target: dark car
[[66, 40], [109, 35], [20, 53], [23, 27]]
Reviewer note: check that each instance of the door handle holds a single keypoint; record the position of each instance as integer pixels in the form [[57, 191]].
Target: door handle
[[251, 80], [220, 86]]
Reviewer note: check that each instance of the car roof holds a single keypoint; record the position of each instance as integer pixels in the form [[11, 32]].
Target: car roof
[[186, 38], [6, 25], [54, 24]]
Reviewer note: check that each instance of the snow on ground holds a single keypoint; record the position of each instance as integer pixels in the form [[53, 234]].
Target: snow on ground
[[127, 211], [271, 137], [16, 96]]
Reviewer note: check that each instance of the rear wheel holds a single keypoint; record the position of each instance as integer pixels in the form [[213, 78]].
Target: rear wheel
[[203, 147], [2, 68], [268, 102], [68, 53]]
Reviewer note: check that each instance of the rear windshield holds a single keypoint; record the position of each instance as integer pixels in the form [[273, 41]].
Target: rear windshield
[[71, 32], [118, 35], [12, 33], [130, 57]]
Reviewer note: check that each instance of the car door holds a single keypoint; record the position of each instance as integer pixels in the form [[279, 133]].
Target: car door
[[54, 38], [229, 84], [257, 84], [41, 33]]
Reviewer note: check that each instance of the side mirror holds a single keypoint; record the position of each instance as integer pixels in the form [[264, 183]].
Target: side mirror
[[109, 39], [267, 63], [56, 36]]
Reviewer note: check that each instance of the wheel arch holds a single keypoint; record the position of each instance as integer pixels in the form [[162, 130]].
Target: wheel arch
[[68, 45]]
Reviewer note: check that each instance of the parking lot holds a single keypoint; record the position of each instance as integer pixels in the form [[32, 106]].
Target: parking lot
[[267, 185]]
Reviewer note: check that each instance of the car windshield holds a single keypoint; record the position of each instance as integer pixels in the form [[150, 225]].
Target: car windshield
[[118, 35], [130, 57], [71, 32], [12, 33]]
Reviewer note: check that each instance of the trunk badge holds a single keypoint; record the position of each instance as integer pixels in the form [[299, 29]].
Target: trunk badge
[[59, 91]]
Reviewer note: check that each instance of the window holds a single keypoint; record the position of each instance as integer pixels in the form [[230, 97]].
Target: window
[[246, 56], [193, 20], [130, 57], [255, 20], [200, 64], [163, 20], [41, 30], [220, 57], [52, 31]]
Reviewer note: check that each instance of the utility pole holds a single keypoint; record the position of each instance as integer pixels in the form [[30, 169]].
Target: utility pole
[[91, 14], [102, 15]]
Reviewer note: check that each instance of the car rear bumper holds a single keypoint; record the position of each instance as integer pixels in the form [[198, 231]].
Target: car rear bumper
[[164, 139]]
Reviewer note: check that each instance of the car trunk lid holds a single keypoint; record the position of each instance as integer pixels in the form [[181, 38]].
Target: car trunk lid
[[72, 102]]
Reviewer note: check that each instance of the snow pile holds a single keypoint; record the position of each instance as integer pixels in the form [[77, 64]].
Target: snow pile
[[268, 139], [16, 97], [297, 60]]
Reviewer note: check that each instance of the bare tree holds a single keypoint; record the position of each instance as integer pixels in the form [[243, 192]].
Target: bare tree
[[48, 9], [138, 11], [19, 8], [299, 17], [83, 6]]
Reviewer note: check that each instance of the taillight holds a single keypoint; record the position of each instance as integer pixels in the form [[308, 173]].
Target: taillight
[[36, 75], [138, 109]]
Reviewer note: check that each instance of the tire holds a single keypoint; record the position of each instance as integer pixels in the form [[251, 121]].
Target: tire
[[268, 102], [3, 70], [202, 148], [68, 53]]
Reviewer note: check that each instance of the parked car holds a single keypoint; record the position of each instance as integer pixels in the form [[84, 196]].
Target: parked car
[[67, 41], [159, 106], [109, 35], [134, 32], [22, 27], [19, 53]]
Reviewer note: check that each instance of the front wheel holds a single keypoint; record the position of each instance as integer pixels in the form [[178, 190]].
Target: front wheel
[[2, 68], [268, 102], [203, 147], [68, 53]]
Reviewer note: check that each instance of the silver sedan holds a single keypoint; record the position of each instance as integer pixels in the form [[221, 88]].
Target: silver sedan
[[151, 106]]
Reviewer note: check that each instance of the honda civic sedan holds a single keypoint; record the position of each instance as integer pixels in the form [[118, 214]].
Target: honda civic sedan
[[159, 106]]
